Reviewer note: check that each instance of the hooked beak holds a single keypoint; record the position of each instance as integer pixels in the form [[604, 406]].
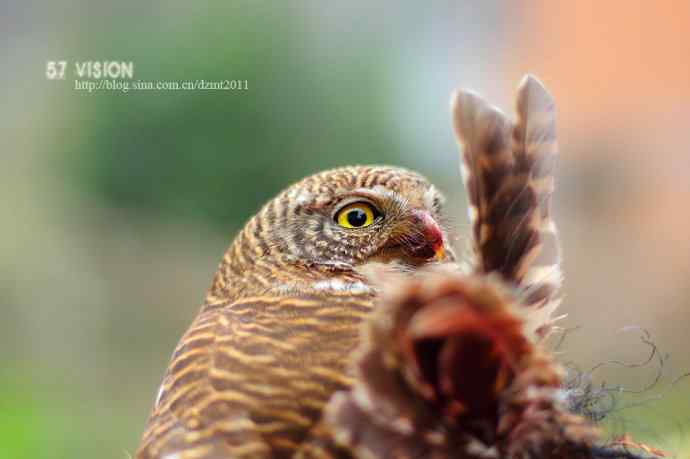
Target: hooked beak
[[428, 240]]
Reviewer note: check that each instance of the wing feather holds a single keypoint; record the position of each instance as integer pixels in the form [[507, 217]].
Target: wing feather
[[508, 172]]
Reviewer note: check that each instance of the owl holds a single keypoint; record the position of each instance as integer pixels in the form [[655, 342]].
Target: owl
[[273, 338], [450, 363], [339, 325]]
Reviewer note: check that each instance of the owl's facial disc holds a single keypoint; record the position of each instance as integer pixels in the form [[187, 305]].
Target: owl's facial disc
[[347, 217], [389, 226]]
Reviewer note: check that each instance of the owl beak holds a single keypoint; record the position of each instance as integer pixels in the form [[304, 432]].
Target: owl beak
[[428, 240], [439, 252]]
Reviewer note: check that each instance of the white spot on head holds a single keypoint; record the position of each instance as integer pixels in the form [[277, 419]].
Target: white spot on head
[[300, 196], [172, 456], [304, 198]]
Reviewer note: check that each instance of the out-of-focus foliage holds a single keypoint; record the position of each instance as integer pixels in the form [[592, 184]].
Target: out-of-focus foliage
[[214, 154], [45, 417]]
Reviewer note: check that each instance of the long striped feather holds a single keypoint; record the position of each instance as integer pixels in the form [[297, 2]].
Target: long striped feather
[[508, 168]]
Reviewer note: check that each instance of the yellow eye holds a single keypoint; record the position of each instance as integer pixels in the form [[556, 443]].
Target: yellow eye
[[356, 215]]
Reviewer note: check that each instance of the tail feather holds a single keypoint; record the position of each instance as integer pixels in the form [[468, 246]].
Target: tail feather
[[508, 173]]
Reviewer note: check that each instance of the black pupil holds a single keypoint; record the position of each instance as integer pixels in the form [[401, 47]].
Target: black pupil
[[356, 217]]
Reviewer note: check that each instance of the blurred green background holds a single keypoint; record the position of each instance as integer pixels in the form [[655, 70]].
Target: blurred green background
[[116, 208]]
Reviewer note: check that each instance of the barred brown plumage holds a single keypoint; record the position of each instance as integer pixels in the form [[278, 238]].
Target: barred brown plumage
[[273, 339], [450, 363]]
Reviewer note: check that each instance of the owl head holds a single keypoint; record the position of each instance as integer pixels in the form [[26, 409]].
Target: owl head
[[353, 215], [334, 223]]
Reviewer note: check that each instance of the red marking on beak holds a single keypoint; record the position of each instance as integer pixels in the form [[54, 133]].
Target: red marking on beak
[[429, 243]]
